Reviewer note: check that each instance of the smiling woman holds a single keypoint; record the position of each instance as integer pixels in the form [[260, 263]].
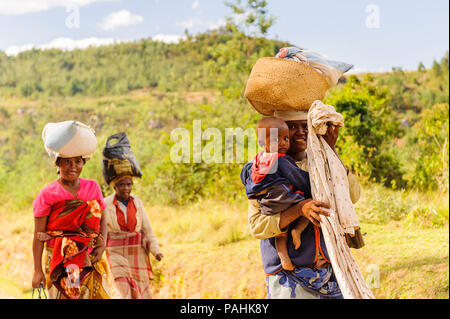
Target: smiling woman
[[309, 274], [69, 227]]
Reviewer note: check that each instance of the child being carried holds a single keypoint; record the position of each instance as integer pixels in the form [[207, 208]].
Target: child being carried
[[276, 182]]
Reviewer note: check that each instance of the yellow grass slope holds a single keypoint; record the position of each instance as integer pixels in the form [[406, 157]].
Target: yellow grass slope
[[209, 253]]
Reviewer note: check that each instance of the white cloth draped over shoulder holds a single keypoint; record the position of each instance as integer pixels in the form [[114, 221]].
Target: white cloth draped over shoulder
[[329, 184], [326, 168]]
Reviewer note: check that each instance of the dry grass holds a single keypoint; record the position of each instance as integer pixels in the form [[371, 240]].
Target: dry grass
[[209, 253], [412, 262]]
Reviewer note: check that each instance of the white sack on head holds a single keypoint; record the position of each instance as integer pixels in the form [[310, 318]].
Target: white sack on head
[[69, 139]]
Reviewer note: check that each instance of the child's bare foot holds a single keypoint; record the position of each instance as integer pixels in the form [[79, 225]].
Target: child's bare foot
[[296, 238], [287, 264]]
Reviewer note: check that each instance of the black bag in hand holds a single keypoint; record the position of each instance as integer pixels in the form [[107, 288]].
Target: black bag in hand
[[118, 158]]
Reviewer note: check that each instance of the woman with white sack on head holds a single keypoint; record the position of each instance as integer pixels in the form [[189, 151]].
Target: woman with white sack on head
[[68, 218]]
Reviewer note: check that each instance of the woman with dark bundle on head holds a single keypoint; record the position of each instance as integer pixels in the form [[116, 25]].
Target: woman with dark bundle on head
[[130, 235]]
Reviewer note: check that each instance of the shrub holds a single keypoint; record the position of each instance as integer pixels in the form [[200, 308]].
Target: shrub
[[369, 128], [431, 169]]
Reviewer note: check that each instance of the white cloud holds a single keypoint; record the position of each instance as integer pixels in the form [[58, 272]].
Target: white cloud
[[19, 7], [65, 44], [15, 49], [168, 38], [195, 4], [68, 44], [201, 24], [122, 18]]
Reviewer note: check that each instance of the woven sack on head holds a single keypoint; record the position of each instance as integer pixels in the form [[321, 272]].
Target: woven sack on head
[[282, 85]]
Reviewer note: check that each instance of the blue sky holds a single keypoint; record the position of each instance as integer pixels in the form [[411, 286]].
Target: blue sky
[[373, 35]]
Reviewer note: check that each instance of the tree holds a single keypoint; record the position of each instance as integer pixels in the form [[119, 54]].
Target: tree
[[432, 142], [421, 67], [436, 69], [369, 126], [444, 63], [252, 16]]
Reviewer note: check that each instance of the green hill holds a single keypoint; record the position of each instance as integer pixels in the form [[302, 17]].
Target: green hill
[[192, 64], [395, 139], [149, 88]]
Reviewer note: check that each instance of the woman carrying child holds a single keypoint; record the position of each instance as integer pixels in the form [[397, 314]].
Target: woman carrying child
[[313, 276], [284, 87]]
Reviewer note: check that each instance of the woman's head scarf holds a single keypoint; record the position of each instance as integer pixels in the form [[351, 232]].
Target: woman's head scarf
[[118, 179], [291, 115]]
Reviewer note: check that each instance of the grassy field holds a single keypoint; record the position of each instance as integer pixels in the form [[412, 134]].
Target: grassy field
[[209, 253], [208, 250]]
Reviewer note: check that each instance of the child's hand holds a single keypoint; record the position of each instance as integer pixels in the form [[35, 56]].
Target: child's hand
[[159, 256]]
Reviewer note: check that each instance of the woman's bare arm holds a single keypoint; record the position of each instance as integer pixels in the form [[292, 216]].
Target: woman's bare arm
[[103, 226], [40, 224], [101, 243]]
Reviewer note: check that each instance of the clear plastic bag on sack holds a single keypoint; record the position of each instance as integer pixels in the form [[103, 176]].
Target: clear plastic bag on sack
[[331, 70]]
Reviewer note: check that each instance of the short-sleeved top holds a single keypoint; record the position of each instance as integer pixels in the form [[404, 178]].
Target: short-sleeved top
[[55, 192]]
